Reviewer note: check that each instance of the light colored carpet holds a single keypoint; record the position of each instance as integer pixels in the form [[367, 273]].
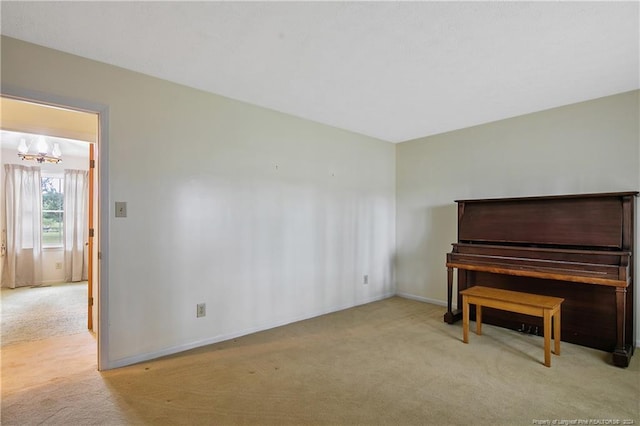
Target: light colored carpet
[[392, 362], [36, 313]]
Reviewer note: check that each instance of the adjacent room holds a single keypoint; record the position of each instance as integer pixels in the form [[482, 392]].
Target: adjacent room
[[276, 189]]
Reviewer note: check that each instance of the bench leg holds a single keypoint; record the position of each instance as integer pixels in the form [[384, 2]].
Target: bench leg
[[556, 332], [465, 319], [547, 337], [478, 319]]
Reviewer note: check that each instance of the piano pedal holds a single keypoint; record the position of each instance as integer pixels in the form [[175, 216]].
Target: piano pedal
[[528, 329]]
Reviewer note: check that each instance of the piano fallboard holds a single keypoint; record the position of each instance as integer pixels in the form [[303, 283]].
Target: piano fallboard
[[590, 267]]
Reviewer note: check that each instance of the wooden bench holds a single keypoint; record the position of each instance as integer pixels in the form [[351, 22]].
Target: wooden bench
[[537, 305]]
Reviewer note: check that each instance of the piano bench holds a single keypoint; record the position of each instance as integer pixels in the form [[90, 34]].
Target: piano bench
[[537, 305]]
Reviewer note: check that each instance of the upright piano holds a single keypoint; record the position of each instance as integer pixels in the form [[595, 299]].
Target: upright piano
[[578, 247]]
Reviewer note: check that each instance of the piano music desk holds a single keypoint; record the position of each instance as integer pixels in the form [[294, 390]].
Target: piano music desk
[[546, 307]]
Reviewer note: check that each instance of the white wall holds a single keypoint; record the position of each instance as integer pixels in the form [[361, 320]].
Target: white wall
[[582, 148], [265, 217], [51, 255]]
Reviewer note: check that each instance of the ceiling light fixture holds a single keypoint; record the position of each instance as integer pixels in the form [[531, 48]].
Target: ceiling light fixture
[[42, 151]]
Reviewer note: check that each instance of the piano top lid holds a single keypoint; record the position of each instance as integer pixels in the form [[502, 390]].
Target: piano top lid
[[552, 197], [579, 220]]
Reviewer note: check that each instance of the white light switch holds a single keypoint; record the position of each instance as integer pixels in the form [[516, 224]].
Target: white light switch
[[121, 209]]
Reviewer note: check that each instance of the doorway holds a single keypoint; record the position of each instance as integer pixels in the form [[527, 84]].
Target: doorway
[[75, 134]]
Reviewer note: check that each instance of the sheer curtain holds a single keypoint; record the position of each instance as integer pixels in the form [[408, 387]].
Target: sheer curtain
[[23, 217], [76, 206]]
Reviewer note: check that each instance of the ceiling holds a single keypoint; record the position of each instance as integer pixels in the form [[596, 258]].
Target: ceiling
[[392, 70], [39, 119], [71, 130], [69, 147]]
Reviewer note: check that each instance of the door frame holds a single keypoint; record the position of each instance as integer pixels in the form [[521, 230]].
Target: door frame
[[102, 152], [91, 236]]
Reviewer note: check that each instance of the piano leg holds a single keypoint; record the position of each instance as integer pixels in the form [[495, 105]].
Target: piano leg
[[622, 353], [451, 316], [448, 316], [465, 319]]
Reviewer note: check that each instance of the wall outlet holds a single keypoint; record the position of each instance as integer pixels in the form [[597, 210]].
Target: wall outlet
[[201, 310], [58, 265], [365, 279]]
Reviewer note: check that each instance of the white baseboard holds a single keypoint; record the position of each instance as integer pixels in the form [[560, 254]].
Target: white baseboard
[[123, 362], [425, 299], [48, 282]]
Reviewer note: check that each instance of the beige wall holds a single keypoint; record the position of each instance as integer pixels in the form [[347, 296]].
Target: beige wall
[[264, 217], [586, 147]]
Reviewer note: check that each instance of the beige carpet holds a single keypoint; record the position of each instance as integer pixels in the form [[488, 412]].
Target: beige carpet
[[36, 313], [391, 362]]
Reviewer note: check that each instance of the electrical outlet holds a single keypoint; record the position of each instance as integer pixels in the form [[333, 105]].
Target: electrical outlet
[[201, 310], [365, 279], [58, 265]]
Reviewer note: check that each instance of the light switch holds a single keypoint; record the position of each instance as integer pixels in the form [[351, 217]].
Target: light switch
[[121, 209]]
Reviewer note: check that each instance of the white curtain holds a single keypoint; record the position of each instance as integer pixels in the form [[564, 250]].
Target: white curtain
[[76, 234], [23, 221]]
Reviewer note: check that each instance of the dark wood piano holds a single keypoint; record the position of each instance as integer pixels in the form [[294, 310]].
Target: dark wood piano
[[578, 247]]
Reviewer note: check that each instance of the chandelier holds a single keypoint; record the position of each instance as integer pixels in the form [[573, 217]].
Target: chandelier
[[41, 153]]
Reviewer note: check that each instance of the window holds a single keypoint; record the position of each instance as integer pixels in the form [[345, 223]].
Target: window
[[52, 211]]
